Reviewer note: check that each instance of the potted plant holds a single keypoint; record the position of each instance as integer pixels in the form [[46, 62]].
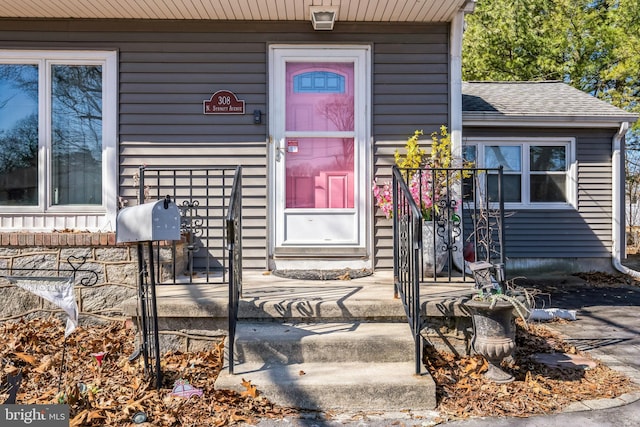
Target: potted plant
[[434, 187]]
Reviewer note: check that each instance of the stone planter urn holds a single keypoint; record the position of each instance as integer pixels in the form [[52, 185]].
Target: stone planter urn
[[493, 335], [434, 257]]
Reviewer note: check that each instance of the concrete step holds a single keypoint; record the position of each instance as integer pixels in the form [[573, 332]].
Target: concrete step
[[330, 366], [289, 343], [352, 386]]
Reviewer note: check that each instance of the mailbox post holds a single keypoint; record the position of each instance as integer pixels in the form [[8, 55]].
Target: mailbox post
[[145, 224]]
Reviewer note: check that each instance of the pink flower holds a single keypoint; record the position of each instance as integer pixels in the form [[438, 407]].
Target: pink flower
[[421, 188], [384, 198]]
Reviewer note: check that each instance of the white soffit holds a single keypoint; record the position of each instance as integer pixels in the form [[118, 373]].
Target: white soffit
[[252, 10]]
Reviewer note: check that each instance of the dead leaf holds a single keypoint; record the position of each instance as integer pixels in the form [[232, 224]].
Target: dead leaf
[[11, 370], [45, 364], [250, 391], [237, 417], [79, 419], [345, 276], [26, 358], [95, 415]]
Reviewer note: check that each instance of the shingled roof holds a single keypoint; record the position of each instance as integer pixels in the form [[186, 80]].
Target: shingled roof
[[543, 101]]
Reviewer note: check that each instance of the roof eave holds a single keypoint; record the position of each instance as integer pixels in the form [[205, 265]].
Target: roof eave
[[479, 119], [406, 11]]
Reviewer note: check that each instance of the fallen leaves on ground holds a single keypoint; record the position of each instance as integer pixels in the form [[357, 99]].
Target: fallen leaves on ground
[[463, 392], [111, 394], [600, 279]]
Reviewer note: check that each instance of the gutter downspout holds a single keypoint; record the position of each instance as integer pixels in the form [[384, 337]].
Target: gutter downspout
[[618, 201]]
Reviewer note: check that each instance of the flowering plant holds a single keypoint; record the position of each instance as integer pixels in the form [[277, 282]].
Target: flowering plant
[[384, 198], [428, 182]]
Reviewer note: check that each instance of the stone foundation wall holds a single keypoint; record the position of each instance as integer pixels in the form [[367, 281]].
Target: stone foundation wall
[[110, 268]]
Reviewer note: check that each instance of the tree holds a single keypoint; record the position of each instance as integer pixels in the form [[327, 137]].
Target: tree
[[593, 45], [510, 40]]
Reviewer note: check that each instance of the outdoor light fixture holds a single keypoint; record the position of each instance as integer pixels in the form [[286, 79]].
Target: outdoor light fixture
[[323, 17]]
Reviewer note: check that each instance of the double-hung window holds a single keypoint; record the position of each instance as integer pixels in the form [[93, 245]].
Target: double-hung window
[[57, 131], [537, 172]]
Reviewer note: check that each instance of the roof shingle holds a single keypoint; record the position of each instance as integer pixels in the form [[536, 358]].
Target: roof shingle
[[541, 99]]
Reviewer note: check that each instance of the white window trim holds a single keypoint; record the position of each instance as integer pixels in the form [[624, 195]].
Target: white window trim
[[109, 62], [572, 167]]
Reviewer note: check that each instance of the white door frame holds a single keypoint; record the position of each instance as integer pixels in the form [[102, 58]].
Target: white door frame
[[360, 246]]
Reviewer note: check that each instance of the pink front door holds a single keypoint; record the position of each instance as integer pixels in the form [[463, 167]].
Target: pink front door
[[319, 170], [319, 127]]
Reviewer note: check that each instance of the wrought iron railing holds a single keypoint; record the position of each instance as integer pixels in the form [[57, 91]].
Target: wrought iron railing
[[407, 245], [464, 209], [437, 193], [234, 246], [210, 205], [203, 196]]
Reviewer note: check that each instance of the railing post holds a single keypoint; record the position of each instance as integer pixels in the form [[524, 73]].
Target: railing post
[[232, 306], [500, 269], [407, 248], [234, 246], [416, 274], [396, 241]]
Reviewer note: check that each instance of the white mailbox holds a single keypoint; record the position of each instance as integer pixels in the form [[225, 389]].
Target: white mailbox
[[148, 222]]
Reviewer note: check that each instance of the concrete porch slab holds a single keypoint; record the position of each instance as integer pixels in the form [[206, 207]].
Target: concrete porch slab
[[267, 296]]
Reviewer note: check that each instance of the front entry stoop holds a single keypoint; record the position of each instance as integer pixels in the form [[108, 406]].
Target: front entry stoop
[[321, 345], [327, 345], [355, 365]]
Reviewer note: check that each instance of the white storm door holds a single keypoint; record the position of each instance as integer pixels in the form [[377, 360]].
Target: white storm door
[[319, 126]]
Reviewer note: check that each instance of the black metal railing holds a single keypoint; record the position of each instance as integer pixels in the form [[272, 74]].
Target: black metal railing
[[457, 213], [234, 246], [407, 245], [149, 334], [437, 194], [202, 196], [210, 204]]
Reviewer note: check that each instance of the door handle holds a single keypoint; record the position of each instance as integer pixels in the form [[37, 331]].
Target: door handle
[[280, 151]]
